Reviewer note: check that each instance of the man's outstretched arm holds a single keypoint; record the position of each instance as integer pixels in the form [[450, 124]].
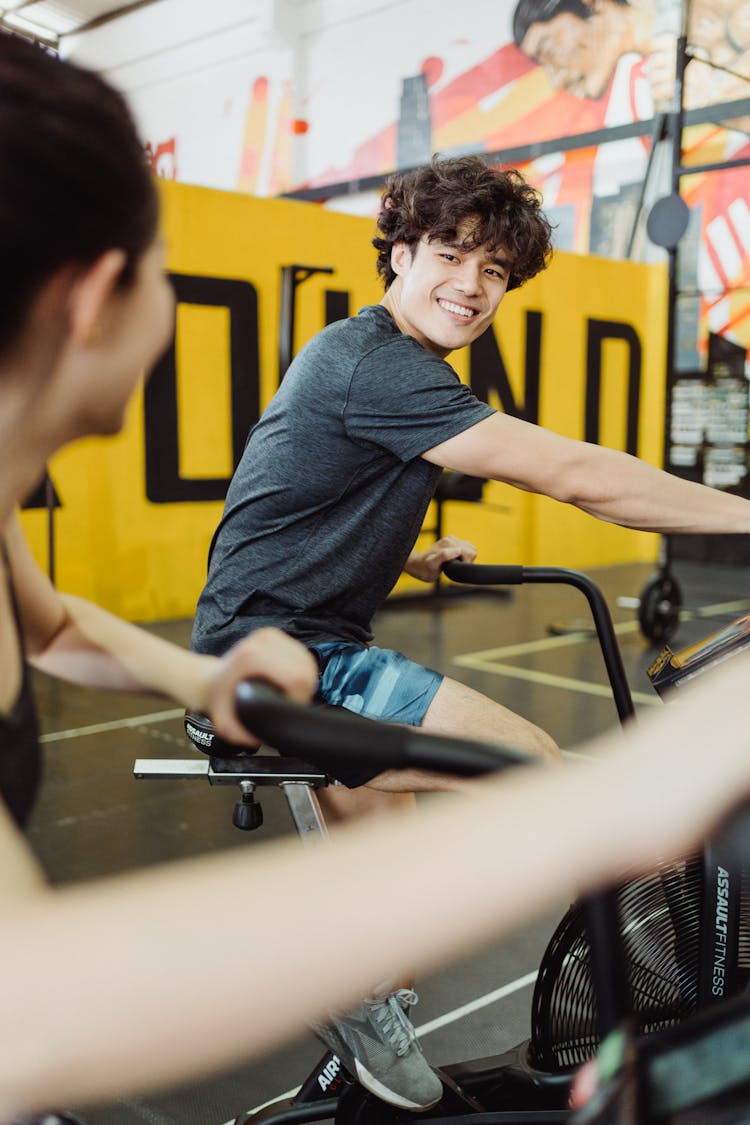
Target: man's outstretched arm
[[606, 483]]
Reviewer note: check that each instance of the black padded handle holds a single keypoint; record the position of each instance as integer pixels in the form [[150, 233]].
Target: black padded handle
[[336, 735], [480, 574]]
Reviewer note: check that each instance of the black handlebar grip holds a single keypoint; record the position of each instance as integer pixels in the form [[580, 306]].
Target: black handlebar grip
[[478, 574], [333, 735], [306, 732]]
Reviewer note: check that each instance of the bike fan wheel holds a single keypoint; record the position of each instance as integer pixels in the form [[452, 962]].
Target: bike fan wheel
[[660, 924]]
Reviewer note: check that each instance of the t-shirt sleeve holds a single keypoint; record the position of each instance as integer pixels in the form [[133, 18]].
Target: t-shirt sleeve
[[406, 400]]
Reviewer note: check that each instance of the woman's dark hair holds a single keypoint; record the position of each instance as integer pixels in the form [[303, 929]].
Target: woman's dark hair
[[74, 180], [501, 208]]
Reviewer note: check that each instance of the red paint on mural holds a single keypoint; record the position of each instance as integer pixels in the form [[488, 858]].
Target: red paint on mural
[[163, 158]]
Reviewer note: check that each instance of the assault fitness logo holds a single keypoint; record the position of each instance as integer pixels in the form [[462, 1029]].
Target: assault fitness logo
[[721, 930]]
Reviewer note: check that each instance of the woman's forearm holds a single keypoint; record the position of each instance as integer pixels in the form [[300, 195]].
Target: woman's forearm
[[97, 649]]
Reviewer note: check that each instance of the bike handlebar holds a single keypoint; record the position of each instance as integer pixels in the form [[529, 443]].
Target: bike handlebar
[[334, 735], [481, 574]]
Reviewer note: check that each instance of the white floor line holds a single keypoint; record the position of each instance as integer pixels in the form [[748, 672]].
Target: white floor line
[[431, 1025], [488, 660], [264, 1105], [115, 724], [721, 607], [548, 679], [543, 644], [579, 636], [475, 1005]]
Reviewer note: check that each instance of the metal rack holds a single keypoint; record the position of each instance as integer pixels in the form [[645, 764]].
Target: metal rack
[[661, 598]]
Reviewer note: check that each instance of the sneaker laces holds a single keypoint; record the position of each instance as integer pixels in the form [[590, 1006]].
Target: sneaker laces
[[393, 1023]]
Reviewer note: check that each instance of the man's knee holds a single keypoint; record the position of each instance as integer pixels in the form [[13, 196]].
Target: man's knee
[[520, 734]]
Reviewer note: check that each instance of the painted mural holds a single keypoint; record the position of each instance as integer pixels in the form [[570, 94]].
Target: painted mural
[[575, 93], [596, 73]]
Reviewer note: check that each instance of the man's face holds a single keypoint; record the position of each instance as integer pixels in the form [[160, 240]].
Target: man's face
[[574, 55], [445, 296]]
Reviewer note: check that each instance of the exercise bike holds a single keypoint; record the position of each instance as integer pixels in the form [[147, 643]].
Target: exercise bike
[[663, 923]]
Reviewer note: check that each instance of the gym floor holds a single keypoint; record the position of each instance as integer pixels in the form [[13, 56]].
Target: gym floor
[[532, 650]]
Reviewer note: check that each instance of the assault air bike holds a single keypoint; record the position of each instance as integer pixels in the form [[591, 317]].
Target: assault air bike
[[643, 953]]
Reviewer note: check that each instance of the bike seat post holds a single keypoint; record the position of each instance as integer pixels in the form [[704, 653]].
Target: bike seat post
[[297, 780], [305, 809]]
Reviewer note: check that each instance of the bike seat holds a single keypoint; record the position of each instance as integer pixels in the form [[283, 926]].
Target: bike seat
[[200, 730]]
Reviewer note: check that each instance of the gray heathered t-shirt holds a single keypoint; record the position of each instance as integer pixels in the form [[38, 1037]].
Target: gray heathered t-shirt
[[329, 497]]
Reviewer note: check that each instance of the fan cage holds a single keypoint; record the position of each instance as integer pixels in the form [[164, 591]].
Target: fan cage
[[660, 926]]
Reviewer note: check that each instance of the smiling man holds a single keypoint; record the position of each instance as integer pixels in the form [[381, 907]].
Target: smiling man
[[328, 500], [326, 504]]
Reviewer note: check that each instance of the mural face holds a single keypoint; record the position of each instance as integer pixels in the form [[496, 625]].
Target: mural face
[[575, 52]]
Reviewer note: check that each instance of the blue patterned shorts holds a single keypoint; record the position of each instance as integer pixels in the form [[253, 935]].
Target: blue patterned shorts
[[376, 682]]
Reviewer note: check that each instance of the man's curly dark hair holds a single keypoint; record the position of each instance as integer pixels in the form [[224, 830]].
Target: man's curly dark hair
[[501, 209]]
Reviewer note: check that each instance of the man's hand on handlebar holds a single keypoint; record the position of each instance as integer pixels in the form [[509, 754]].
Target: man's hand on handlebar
[[426, 565], [267, 654]]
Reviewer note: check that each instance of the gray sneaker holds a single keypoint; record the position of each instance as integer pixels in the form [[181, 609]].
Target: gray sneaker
[[379, 1046]]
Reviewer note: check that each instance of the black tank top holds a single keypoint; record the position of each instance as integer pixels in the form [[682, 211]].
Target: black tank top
[[20, 756]]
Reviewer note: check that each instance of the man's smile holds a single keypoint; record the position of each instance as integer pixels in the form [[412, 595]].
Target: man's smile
[[463, 311]]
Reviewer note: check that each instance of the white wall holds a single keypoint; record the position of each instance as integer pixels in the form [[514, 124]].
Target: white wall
[[189, 68], [264, 96]]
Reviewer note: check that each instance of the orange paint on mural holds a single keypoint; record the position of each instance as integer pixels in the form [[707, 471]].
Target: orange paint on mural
[[254, 137], [280, 174]]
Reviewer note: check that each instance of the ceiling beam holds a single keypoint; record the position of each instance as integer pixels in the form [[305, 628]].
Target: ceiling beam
[[108, 17]]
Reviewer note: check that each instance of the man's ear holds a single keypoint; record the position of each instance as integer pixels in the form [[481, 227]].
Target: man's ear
[[90, 294], [401, 258]]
